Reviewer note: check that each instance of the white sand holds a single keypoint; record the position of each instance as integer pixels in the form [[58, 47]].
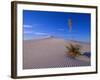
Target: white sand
[[50, 53]]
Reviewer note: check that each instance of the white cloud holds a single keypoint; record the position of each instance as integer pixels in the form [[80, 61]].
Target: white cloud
[[40, 33], [27, 26], [28, 32]]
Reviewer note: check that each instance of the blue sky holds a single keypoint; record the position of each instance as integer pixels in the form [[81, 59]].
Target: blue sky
[[37, 24]]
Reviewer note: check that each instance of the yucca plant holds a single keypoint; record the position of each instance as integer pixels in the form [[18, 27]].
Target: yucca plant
[[73, 50]]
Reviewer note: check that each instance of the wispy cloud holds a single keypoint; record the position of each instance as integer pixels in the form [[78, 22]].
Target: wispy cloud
[[28, 32], [27, 26], [34, 33], [39, 33]]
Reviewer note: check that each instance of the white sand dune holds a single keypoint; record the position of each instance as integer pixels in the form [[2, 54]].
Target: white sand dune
[[50, 53]]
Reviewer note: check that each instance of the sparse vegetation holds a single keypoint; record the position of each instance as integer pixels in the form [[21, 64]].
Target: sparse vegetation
[[73, 50]]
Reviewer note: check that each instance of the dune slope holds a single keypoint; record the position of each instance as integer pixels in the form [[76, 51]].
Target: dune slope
[[49, 53]]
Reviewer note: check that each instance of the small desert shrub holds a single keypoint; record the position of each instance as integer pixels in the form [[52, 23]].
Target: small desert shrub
[[73, 50]]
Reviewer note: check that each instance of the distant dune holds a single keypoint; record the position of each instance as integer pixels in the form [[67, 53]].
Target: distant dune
[[50, 53]]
